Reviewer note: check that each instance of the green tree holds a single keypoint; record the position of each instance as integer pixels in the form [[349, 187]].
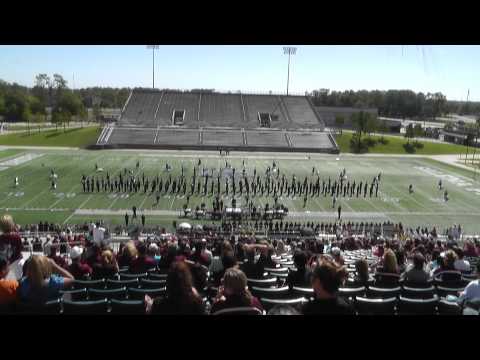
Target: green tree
[[38, 118], [418, 130], [372, 123], [339, 122], [409, 133]]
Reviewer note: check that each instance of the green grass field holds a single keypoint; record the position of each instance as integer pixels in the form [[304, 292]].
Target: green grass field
[[78, 137], [395, 146], [33, 200]]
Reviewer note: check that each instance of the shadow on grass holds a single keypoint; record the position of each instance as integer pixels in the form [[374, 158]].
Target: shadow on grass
[[60, 132]]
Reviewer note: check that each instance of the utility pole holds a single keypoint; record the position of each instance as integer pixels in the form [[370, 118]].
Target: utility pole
[[288, 50], [153, 47]]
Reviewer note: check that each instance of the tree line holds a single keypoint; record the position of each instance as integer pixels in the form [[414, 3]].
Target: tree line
[[396, 103], [51, 95]]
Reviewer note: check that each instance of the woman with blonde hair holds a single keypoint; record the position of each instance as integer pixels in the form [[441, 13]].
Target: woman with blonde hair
[[128, 254], [10, 241], [107, 267], [43, 280], [234, 292]]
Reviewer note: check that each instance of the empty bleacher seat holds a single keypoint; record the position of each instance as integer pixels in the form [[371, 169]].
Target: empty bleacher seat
[[270, 303], [448, 308], [115, 284], [418, 293], [152, 284], [382, 293], [128, 276], [408, 306], [89, 284], [351, 292], [139, 294], [307, 293], [97, 307], [119, 293], [265, 283], [127, 307], [271, 293], [365, 306], [239, 311], [75, 295]]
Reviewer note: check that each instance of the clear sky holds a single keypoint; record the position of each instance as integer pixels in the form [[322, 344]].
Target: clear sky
[[453, 70]]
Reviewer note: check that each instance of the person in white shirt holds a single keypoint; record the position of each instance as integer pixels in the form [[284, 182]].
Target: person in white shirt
[[98, 234], [461, 264], [472, 290]]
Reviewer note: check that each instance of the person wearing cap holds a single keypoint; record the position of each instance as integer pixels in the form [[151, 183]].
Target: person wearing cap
[[78, 268]]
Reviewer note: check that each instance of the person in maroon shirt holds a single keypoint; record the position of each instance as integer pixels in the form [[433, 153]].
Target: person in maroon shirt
[[142, 263], [10, 241], [78, 268], [234, 292]]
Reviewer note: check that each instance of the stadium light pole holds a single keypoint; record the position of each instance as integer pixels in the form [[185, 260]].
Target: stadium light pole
[[153, 47], [289, 50]]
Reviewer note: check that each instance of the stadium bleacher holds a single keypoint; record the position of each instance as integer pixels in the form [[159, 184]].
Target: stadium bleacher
[[213, 120]]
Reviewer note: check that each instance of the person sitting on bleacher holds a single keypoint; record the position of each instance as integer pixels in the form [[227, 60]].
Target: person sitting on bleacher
[[327, 278], [8, 288], [142, 263], [126, 254], [107, 267], [416, 274], [472, 290], [447, 272], [461, 264], [302, 276], [10, 240], [249, 267], [78, 268], [362, 276], [234, 292], [181, 298], [43, 280]]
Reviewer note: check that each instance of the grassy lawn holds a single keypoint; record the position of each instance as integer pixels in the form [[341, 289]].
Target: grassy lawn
[[395, 146], [71, 137], [9, 152], [34, 201]]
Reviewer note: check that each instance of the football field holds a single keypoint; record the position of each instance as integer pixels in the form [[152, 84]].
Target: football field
[[33, 200]]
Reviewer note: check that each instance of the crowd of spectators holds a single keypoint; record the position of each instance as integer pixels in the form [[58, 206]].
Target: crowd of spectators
[[208, 272]]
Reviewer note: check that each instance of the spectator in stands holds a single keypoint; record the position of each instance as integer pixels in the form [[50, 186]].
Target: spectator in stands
[[472, 290], [416, 275], [401, 261], [461, 264], [216, 265], [128, 253], [79, 269], [280, 249], [362, 276], [55, 255], [199, 255], [283, 310], [249, 267], [390, 265], [154, 252], [181, 297], [469, 249], [43, 281], [302, 276], [234, 292], [337, 256], [434, 262], [167, 259], [8, 288], [447, 272], [142, 263], [327, 277], [10, 241], [107, 268], [228, 261]]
